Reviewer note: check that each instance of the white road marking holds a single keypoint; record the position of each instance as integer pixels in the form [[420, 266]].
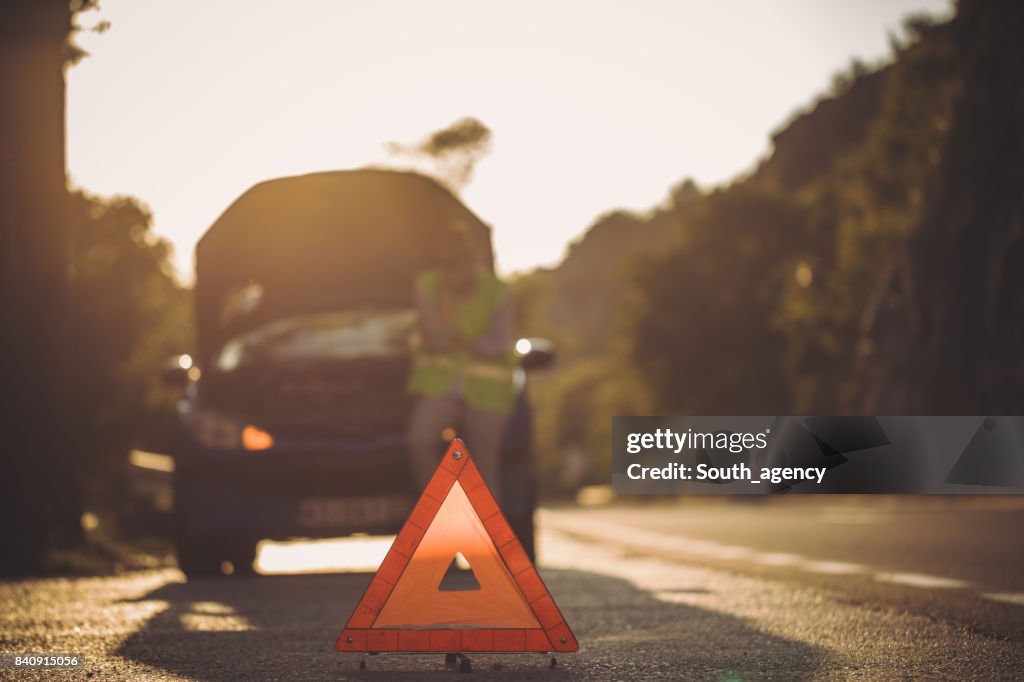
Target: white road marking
[[851, 516], [1015, 598], [639, 539], [922, 580], [719, 608], [833, 567], [778, 559]]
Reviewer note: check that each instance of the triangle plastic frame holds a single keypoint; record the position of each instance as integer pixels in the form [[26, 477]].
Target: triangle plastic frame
[[360, 636]]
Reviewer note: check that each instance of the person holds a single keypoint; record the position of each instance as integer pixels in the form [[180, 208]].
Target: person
[[463, 369]]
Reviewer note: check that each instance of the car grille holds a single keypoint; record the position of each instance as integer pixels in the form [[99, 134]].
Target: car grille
[[357, 399]]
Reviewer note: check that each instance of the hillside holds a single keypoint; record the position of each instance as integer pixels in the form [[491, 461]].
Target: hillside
[[579, 302]]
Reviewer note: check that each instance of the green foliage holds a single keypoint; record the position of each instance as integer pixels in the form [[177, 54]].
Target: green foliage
[[467, 135], [574, 408], [778, 271], [863, 211], [531, 301], [950, 337], [451, 153], [705, 335], [128, 315], [807, 146], [751, 299], [581, 306]]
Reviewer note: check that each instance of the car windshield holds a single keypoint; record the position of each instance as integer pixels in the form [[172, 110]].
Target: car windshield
[[346, 335]]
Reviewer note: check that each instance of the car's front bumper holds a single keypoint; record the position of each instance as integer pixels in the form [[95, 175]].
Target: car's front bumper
[[296, 489]]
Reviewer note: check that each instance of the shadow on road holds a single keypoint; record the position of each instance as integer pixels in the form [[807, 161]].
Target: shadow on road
[[284, 627]]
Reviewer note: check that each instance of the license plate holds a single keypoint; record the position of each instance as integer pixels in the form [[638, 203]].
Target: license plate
[[353, 511]]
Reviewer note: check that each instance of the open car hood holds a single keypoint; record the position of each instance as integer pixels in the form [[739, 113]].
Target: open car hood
[[324, 242]]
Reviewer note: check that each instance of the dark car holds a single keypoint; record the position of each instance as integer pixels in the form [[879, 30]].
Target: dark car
[[294, 414]]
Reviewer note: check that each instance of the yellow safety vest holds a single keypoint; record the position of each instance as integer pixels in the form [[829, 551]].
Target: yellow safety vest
[[486, 384]]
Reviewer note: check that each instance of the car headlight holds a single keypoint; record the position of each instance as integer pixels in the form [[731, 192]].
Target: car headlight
[[214, 430]]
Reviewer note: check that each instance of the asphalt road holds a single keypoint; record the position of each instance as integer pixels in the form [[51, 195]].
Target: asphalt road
[[815, 588]]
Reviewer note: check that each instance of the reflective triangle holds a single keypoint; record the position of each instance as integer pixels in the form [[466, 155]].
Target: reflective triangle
[[404, 608], [417, 601]]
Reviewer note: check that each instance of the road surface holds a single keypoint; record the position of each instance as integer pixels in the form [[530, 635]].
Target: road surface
[[810, 588]]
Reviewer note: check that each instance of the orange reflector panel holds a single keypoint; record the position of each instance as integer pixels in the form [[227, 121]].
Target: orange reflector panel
[[417, 601], [508, 608], [256, 439]]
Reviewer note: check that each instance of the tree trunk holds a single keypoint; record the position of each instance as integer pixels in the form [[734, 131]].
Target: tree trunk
[[39, 504]]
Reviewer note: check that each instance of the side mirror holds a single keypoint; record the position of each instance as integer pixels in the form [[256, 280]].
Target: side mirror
[[177, 370], [535, 353]]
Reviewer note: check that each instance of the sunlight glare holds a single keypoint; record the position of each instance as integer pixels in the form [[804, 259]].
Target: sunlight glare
[[335, 555]]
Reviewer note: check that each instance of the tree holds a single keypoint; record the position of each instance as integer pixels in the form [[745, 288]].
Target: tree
[[956, 322], [128, 316], [863, 208], [451, 153], [705, 336]]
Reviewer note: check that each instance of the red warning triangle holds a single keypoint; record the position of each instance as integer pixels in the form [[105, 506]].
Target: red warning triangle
[[403, 609]]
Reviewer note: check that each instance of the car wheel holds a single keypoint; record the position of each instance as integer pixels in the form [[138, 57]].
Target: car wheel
[[209, 557], [198, 558], [242, 556], [523, 528]]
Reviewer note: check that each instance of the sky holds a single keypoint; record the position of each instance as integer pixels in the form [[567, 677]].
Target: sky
[[593, 105]]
